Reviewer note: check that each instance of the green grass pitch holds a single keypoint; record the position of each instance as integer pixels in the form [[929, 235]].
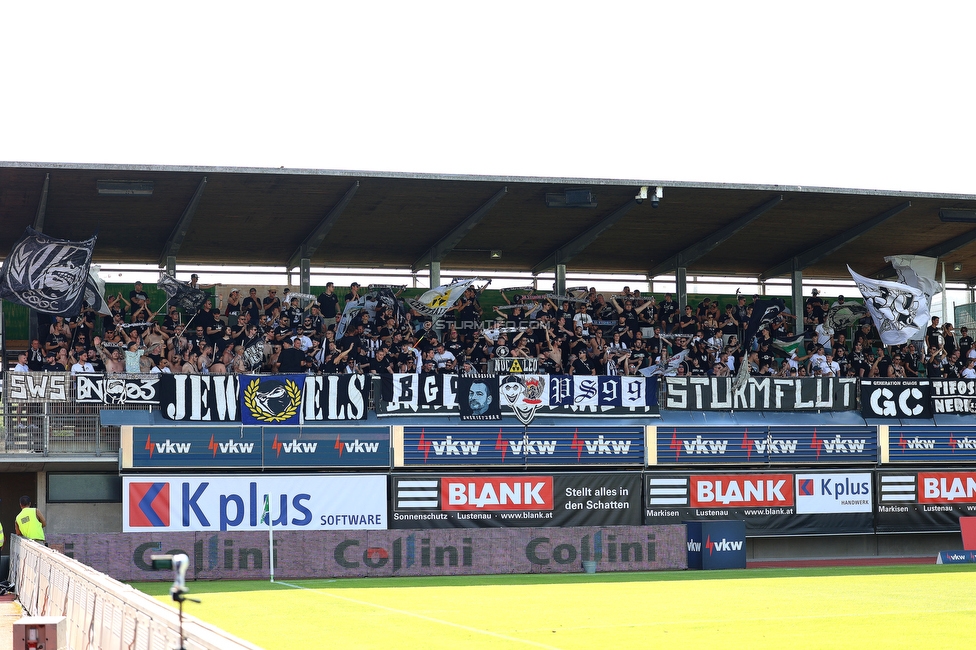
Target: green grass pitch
[[866, 607]]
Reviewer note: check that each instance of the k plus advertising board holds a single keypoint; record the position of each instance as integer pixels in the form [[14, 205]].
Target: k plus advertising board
[[506, 445], [770, 503], [203, 503], [516, 500], [924, 500]]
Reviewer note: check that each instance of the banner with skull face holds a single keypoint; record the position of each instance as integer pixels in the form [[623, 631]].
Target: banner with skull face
[[47, 274]]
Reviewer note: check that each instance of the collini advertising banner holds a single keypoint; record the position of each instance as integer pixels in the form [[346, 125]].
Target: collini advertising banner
[[761, 394], [558, 395], [225, 447], [771, 504], [203, 503], [466, 445], [515, 500], [764, 445], [383, 553], [935, 444], [267, 400], [933, 501]]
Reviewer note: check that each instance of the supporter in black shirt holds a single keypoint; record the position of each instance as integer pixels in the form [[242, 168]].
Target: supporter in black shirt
[[933, 334], [329, 305], [965, 342], [668, 309], [138, 297], [353, 293], [291, 359], [171, 321], [271, 302], [35, 356], [252, 305]]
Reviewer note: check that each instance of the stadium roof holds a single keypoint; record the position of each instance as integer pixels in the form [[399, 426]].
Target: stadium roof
[[272, 217]]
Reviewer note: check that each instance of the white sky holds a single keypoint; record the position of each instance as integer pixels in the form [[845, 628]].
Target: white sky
[[842, 94]]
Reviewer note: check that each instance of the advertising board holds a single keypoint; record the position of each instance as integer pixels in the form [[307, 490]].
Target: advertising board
[[930, 500], [765, 445], [231, 502], [941, 444]]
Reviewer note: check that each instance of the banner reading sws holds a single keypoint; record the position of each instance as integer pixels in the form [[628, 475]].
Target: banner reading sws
[[515, 500], [559, 395], [771, 504], [761, 394], [263, 400]]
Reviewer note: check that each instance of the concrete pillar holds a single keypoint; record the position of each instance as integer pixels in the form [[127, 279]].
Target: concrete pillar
[[681, 288], [560, 279], [305, 272], [435, 274], [796, 290]]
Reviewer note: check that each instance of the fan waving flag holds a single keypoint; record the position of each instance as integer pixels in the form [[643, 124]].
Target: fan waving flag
[[900, 312], [764, 312], [439, 300], [181, 293], [47, 274]]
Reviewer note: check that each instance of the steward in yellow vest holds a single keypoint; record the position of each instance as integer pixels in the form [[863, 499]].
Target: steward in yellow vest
[[30, 522]]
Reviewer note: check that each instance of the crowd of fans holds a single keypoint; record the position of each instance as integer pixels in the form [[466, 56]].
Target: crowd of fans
[[627, 333]]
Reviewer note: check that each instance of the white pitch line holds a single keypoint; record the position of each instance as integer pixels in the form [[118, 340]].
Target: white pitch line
[[422, 617]]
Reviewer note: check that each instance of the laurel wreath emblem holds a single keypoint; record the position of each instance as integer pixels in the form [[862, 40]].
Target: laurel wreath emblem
[[294, 395]]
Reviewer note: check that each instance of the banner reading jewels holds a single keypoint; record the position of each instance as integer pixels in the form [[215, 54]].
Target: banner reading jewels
[[761, 394], [558, 395], [771, 504], [268, 400], [375, 553], [515, 500]]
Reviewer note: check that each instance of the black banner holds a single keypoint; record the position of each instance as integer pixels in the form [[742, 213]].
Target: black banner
[[200, 398], [515, 500], [761, 394], [896, 398], [479, 398], [954, 396], [116, 389], [335, 397], [924, 501], [771, 504]]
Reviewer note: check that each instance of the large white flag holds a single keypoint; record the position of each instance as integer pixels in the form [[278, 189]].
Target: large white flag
[[900, 312], [438, 300], [917, 271]]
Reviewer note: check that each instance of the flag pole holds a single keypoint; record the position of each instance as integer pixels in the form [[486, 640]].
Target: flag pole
[[267, 513]]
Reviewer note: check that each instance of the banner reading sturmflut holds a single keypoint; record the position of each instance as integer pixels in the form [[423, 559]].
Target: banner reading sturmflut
[[761, 394]]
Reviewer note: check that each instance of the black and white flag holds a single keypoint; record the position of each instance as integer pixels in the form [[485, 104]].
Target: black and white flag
[[900, 312], [181, 293], [764, 312], [253, 354], [47, 274], [840, 317], [95, 291], [437, 301]]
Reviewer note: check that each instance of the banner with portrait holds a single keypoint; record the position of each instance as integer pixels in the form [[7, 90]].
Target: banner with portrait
[[479, 398]]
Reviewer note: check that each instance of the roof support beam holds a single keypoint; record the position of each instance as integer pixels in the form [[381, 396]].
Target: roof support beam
[[446, 244], [832, 245], [707, 244], [318, 235], [172, 246], [578, 244], [42, 206], [939, 250]]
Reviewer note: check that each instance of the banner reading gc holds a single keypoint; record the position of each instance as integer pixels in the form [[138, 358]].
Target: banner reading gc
[[522, 500]]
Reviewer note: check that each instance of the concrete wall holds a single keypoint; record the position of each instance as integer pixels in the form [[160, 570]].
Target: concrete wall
[[65, 518]]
